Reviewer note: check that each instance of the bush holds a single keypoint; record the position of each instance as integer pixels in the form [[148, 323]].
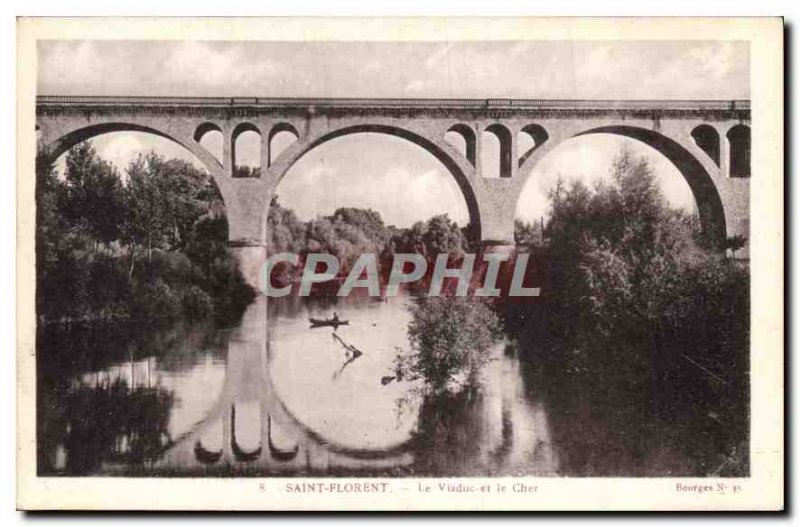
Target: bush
[[638, 309], [641, 310], [197, 304], [156, 299], [154, 246], [228, 289], [450, 339]]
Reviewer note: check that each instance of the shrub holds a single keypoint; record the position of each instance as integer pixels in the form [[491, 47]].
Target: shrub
[[450, 339], [156, 299], [197, 304]]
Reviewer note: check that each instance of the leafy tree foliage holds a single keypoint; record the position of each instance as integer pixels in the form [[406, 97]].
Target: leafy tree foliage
[[93, 197], [350, 232], [638, 308], [528, 234], [165, 199], [93, 223], [450, 340]]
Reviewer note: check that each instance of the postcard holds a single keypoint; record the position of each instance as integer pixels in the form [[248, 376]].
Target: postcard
[[400, 264]]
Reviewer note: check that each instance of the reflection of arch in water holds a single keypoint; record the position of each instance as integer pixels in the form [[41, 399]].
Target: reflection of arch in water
[[209, 457], [248, 360], [239, 453], [275, 452], [206, 456]]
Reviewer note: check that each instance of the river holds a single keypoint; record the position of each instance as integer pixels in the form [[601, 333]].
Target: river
[[272, 396]]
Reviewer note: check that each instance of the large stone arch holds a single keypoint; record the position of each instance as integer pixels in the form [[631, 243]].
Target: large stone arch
[[62, 142], [700, 180], [455, 166]]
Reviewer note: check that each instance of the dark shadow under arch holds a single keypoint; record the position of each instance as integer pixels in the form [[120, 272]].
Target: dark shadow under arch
[[204, 128], [461, 178], [539, 136], [242, 128], [283, 127], [739, 142], [468, 134], [504, 139], [707, 138], [279, 128], [239, 454]]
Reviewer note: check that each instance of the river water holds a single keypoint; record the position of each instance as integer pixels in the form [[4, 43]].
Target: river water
[[273, 396]]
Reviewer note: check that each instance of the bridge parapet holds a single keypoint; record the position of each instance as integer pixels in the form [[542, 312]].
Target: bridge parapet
[[717, 109]]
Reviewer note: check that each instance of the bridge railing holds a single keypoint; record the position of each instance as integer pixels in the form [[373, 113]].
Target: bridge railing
[[541, 104]]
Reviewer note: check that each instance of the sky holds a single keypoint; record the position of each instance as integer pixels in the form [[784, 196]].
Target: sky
[[395, 177]]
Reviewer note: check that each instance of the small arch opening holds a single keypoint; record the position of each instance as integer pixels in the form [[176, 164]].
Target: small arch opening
[[529, 139], [281, 438], [246, 152], [739, 141], [707, 138], [496, 152], [462, 137], [209, 136], [281, 137]]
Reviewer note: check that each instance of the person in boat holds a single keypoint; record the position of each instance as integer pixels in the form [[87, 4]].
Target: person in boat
[[335, 318]]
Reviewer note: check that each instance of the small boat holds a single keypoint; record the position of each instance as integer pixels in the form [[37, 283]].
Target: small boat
[[317, 322]]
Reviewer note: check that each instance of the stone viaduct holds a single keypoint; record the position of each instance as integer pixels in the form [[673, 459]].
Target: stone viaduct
[[708, 142]]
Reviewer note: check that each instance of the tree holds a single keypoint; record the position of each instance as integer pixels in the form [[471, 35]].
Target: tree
[[285, 231], [442, 236], [168, 207], [450, 339], [94, 195], [164, 198], [634, 295], [528, 233], [366, 220], [412, 240]]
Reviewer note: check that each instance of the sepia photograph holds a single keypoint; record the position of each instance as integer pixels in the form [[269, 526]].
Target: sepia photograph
[[376, 266]]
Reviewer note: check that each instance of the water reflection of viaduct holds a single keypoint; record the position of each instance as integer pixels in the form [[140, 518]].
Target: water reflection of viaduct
[[708, 141], [286, 444]]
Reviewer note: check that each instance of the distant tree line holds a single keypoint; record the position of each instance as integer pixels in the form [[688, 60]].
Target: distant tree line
[[350, 232]]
